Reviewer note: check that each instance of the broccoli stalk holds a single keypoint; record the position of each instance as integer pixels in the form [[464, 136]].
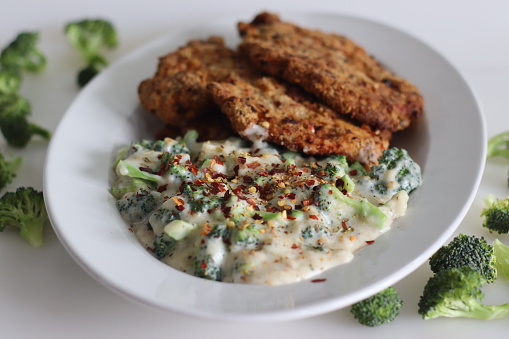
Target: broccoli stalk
[[496, 214], [8, 169], [24, 209], [382, 308], [89, 37], [502, 259], [466, 250], [456, 292]]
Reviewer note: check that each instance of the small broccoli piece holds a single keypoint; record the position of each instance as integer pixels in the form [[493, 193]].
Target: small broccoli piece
[[162, 245], [466, 250], [502, 259], [136, 206], [89, 37], [126, 169], [382, 308], [207, 268], [498, 146], [200, 199], [456, 292], [364, 208], [407, 174], [496, 214], [8, 169], [23, 54], [14, 124], [24, 209]]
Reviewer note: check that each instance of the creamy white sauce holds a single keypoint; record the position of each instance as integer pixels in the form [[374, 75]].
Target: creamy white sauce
[[269, 220]]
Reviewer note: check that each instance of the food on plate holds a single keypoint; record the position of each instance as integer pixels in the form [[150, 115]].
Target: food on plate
[[334, 68], [236, 211], [271, 183]]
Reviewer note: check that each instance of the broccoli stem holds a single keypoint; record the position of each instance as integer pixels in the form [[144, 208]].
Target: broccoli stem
[[33, 233]]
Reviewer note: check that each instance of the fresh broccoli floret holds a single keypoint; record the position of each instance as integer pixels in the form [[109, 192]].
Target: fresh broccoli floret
[[496, 214], [502, 259], [23, 54], [14, 124], [8, 169], [89, 37], [456, 292], [498, 146], [407, 174], [382, 308], [24, 209], [200, 198], [466, 250]]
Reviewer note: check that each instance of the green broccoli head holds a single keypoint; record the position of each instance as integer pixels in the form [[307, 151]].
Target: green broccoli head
[[8, 169], [406, 173], [466, 250], [23, 54], [14, 124], [89, 37], [382, 308], [496, 214], [456, 292], [25, 210]]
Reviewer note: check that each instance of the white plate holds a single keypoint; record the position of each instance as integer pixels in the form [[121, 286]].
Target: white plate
[[449, 144]]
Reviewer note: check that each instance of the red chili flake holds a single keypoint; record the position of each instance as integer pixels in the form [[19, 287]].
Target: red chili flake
[[294, 246], [236, 170], [318, 280], [264, 173], [203, 265], [247, 180], [238, 192], [253, 165], [344, 225], [330, 192], [241, 160], [162, 188], [307, 202], [256, 216], [291, 218], [291, 196], [180, 208], [314, 217], [369, 242], [216, 158], [193, 169], [310, 182], [353, 172]]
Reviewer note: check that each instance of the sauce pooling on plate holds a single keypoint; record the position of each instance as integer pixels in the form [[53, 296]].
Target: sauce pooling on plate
[[227, 211]]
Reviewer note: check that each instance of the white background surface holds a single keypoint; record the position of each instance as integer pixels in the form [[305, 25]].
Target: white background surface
[[45, 294]]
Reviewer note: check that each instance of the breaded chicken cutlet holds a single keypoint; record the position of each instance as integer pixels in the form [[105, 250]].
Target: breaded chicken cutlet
[[334, 68], [291, 117]]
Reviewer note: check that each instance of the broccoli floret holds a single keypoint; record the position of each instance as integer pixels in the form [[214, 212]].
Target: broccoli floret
[[24, 209], [382, 308], [162, 245], [23, 54], [456, 292], [496, 214], [502, 259], [498, 146], [8, 169], [466, 250], [14, 124], [207, 268], [408, 174], [200, 199], [136, 206], [89, 37]]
